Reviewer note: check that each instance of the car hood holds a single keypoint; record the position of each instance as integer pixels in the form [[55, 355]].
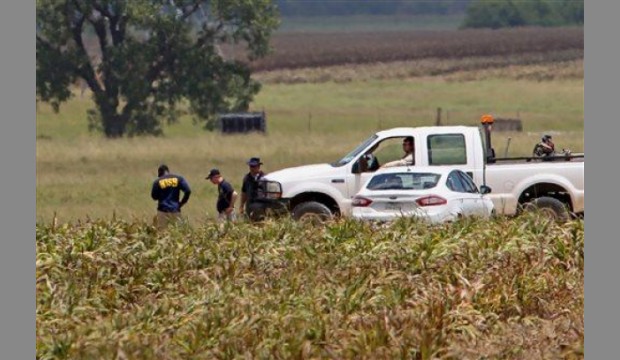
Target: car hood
[[301, 173]]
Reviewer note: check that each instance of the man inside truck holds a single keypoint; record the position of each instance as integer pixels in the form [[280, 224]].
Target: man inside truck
[[370, 162], [408, 158]]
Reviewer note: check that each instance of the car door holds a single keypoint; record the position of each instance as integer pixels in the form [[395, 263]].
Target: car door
[[462, 201], [472, 197], [481, 204]]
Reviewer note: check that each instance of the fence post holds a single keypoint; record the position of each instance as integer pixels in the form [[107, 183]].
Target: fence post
[[309, 121], [438, 121]]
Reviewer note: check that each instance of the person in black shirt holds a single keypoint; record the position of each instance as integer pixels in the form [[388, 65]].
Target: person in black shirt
[[166, 190], [249, 189], [545, 147], [226, 196]]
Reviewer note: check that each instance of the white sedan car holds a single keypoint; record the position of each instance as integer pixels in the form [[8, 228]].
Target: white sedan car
[[435, 194]]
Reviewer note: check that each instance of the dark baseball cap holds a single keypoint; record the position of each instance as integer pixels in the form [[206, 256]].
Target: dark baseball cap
[[254, 161], [212, 173]]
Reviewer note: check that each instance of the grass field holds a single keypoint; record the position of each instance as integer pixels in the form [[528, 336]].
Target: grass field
[[81, 174]]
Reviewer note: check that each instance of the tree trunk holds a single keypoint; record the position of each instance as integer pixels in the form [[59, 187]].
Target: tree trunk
[[114, 124]]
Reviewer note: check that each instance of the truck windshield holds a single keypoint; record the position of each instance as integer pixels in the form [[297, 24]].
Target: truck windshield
[[350, 156]]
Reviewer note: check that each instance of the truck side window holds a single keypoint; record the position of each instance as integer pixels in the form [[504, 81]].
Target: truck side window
[[446, 149]]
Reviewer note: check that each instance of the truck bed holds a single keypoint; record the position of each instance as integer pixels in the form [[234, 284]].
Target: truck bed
[[537, 160], [510, 178]]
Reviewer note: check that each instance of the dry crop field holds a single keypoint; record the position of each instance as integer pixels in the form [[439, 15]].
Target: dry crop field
[[509, 288], [299, 50]]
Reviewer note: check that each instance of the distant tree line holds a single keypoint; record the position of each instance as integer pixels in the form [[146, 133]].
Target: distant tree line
[[510, 13], [478, 13], [291, 8]]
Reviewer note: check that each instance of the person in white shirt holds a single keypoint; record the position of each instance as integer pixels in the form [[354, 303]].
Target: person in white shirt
[[408, 158]]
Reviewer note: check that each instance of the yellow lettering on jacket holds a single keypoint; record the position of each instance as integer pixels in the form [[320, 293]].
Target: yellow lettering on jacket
[[169, 182]]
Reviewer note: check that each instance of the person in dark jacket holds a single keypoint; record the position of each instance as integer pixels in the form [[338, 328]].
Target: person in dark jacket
[[226, 196], [249, 189], [545, 148], [166, 190]]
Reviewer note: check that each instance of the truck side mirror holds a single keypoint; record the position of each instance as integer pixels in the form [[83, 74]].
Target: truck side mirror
[[355, 169], [485, 189]]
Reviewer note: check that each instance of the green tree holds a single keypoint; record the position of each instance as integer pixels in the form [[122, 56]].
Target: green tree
[[150, 57], [493, 14], [571, 11], [508, 13]]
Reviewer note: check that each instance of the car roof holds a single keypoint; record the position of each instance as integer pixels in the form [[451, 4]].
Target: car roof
[[442, 170]]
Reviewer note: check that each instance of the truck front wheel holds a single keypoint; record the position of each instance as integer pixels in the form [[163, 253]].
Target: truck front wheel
[[311, 211], [552, 207]]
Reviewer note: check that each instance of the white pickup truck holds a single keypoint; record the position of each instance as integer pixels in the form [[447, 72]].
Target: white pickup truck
[[554, 184]]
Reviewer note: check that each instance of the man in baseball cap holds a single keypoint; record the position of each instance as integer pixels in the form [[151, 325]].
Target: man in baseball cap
[[254, 162], [214, 172], [249, 189], [226, 196]]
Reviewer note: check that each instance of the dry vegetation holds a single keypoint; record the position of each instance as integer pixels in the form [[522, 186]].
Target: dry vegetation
[[473, 289], [560, 65], [293, 51]]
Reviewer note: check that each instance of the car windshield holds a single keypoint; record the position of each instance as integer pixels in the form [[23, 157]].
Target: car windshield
[[404, 181], [350, 156]]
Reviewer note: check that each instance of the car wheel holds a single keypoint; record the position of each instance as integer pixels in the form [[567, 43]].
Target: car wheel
[[311, 211], [548, 206]]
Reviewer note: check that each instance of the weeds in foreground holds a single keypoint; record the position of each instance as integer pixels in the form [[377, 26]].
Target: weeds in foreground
[[505, 288]]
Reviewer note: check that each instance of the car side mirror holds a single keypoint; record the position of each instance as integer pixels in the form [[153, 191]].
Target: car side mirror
[[485, 189]]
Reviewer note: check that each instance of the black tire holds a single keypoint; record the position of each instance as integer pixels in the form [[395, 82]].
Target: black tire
[[550, 206], [311, 210], [255, 212]]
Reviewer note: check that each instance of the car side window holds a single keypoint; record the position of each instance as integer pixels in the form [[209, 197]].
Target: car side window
[[453, 182], [468, 184]]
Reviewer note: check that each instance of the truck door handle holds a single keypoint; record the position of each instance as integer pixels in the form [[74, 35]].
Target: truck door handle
[[393, 197], [337, 180]]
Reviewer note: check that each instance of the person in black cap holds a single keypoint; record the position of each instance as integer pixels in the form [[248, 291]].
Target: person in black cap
[[166, 190], [249, 189], [226, 196]]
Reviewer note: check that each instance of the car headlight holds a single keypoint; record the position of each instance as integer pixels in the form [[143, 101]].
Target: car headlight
[[269, 189]]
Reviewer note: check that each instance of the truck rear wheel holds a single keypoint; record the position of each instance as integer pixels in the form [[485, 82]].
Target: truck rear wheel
[[311, 211], [549, 206]]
